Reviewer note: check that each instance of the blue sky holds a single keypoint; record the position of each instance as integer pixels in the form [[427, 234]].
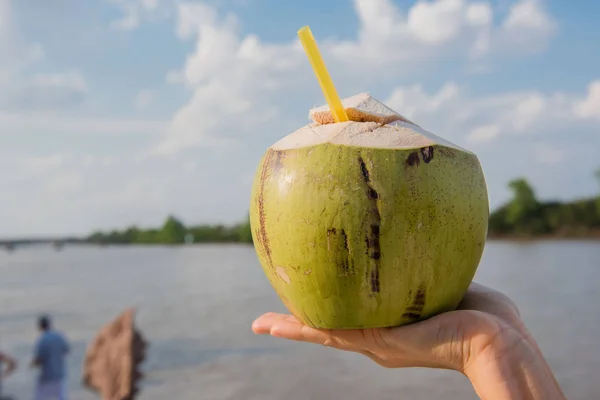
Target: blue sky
[[119, 112]]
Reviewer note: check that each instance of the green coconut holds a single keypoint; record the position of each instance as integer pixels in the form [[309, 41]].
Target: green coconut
[[373, 222]]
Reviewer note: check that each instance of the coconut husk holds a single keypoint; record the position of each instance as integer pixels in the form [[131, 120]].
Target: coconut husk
[[112, 359]]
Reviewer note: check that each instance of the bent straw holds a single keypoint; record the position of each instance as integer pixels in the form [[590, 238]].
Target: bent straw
[[314, 56]]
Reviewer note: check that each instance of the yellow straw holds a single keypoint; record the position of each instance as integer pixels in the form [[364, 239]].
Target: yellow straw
[[314, 56]]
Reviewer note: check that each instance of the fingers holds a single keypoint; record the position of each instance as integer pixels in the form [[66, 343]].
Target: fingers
[[288, 327], [488, 300], [443, 341], [417, 344], [263, 324]]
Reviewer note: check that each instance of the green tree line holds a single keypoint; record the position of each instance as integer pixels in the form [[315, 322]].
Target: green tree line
[[173, 231], [523, 216]]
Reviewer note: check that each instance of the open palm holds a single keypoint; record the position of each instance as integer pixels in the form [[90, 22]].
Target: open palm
[[448, 340]]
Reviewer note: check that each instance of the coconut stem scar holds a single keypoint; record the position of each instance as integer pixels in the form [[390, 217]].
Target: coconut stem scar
[[318, 65]]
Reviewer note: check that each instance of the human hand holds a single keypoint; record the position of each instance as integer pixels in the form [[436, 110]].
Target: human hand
[[484, 338], [450, 340]]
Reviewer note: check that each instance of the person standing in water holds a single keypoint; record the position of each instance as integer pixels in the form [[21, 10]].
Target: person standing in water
[[7, 367], [50, 357]]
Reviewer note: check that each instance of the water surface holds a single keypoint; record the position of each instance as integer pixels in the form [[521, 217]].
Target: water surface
[[196, 305]]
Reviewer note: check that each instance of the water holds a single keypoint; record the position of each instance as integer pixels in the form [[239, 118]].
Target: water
[[196, 305]]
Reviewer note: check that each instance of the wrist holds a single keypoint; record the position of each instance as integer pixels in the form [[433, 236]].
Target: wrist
[[494, 352], [509, 366]]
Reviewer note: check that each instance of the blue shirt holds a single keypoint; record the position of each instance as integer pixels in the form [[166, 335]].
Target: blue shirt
[[50, 351]]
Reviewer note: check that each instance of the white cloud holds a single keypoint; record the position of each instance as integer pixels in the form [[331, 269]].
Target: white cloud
[[43, 163], [528, 26], [479, 14], [130, 15], [134, 11], [189, 166], [431, 29], [514, 133], [48, 91], [247, 91], [14, 53], [45, 91], [547, 154], [64, 184], [481, 119], [232, 79], [239, 80], [149, 4], [527, 110], [143, 99], [94, 161], [590, 106], [72, 80], [529, 15], [438, 22], [414, 103], [37, 103], [175, 77], [47, 123], [115, 185], [484, 133], [82, 192]]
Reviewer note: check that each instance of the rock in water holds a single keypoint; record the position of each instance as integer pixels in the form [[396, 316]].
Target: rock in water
[[112, 359], [374, 222]]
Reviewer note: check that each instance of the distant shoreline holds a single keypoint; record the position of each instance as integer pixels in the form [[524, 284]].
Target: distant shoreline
[[517, 239], [20, 243], [590, 236]]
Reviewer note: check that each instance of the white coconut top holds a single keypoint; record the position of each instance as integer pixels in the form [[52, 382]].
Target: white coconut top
[[372, 124], [360, 108]]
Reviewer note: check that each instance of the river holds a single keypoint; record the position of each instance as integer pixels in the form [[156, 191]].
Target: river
[[196, 305]]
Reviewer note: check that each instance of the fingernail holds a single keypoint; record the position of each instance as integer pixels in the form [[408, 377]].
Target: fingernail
[[256, 326], [274, 330]]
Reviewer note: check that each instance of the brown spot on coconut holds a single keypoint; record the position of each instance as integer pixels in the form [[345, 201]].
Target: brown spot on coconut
[[112, 359]]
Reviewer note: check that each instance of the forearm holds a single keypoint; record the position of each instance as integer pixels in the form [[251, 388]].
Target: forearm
[[511, 368]]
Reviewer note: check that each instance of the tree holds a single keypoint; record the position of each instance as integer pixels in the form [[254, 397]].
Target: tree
[[131, 235], [597, 175], [524, 202], [172, 231], [245, 232]]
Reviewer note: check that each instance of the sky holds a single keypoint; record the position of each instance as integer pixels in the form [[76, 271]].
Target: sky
[[121, 112]]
